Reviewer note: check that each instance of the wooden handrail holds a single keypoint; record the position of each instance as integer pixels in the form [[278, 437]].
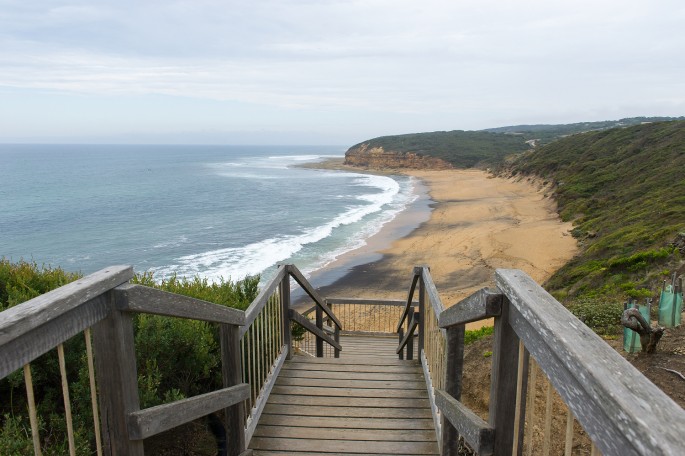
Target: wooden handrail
[[35, 327], [318, 300], [142, 299], [413, 324], [485, 303], [312, 328], [416, 273]]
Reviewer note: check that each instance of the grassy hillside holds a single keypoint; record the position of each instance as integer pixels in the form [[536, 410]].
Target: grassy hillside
[[625, 192], [463, 149], [544, 133]]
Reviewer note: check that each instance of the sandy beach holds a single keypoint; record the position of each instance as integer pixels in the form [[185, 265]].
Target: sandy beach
[[478, 223]]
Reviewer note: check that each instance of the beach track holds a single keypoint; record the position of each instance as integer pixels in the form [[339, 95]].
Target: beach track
[[365, 402]]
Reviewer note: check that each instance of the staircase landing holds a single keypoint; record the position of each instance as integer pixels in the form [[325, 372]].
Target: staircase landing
[[366, 402]]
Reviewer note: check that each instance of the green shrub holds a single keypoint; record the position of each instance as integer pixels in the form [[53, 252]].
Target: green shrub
[[471, 336], [602, 317]]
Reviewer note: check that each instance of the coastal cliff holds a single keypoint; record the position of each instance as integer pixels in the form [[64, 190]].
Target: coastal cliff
[[365, 156]]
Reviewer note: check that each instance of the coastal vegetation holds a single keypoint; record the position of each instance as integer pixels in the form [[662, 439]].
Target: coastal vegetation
[[624, 192], [461, 149], [490, 147]]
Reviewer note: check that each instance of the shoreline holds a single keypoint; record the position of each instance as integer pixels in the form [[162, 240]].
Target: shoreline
[[477, 223]]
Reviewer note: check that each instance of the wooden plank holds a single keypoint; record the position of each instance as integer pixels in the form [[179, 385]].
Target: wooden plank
[[348, 422], [350, 446], [341, 401], [285, 312], [502, 406], [356, 361], [300, 411], [361, 301], [29, 315], [30, 345], [151, 421], [484, 303], [288, 453], [347, 383], [258, 408], [309, 326], [300, 279], [410, 297], [384, 376], [350, 392], [117, 379], [262, 298], [367, 433], [408, 369], [159, 302], [477, 433], [596, 382]]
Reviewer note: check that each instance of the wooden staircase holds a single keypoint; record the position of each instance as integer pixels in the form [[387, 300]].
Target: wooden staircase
[[365, 402]]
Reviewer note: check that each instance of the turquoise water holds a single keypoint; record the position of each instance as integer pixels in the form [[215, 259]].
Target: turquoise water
[[216, 211]]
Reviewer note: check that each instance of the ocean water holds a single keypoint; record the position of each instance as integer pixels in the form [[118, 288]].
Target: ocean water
[[213, 211]]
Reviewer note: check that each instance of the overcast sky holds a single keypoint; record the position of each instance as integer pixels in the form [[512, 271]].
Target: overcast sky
[[329, 72]]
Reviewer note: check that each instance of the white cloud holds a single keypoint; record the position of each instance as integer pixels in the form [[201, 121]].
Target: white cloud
[[463, 62]]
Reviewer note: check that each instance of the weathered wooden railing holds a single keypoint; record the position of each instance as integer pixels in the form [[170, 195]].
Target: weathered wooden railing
[[266, 340], [254, 346], [621, 410], [105, 301]]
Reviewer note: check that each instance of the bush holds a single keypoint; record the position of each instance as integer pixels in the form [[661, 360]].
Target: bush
[[602, 317]]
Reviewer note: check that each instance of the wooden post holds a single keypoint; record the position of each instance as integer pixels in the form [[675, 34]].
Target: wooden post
[[505, 354], [336, 333], [117, 377], [400, 333], [319, 324], [454, 360], [232, 373], [410, 342], [285, 312], [422, 314]]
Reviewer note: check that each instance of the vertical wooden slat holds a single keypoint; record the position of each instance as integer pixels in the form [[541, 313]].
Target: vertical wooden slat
[[593, 450], [319, 324], [503, 383], [520, 413], [568, 447], [33, 417], [454, 368], [117, 377], [231, 370], [531, 408], [67, 401], [548, 419], [93, 391]]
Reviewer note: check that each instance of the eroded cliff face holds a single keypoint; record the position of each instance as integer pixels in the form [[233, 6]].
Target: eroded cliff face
[[367, 157]]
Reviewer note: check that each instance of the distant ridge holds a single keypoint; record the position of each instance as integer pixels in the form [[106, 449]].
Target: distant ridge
[[486, 148]]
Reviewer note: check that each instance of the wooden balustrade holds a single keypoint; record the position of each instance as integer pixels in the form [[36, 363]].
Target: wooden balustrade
[[538, 347]]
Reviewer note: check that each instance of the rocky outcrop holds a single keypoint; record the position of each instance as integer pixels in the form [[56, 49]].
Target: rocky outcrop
[[377, 158]]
